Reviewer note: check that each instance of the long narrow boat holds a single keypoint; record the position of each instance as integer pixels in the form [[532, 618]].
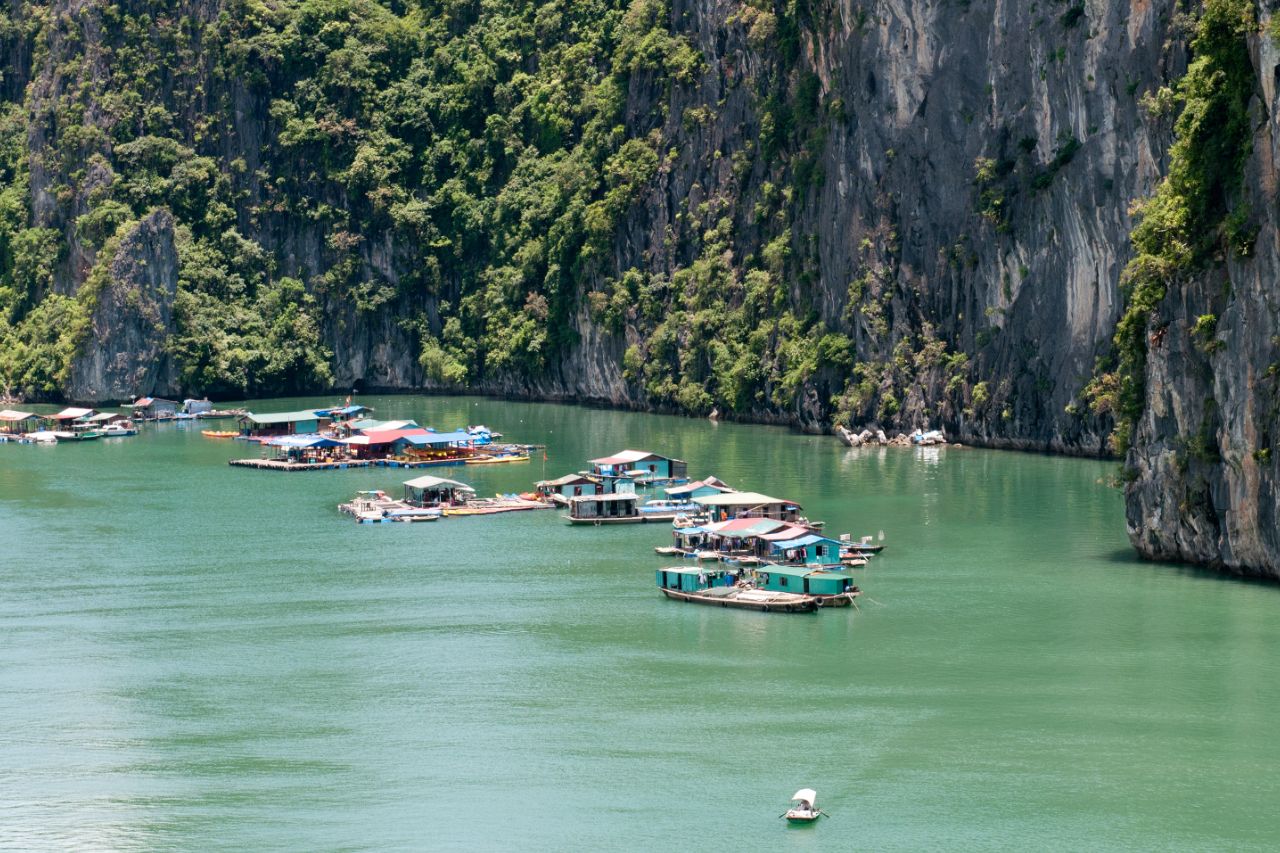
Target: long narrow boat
[[218, 433], [494, 460], [747, 598], [720, 588]]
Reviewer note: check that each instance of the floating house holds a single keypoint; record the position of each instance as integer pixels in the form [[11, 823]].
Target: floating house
[[192, 406], [380, 444], [342, 414], [568, 486], [631, 466], [604, 509], [280, 423], [153, 408], [436, 492], [66, 418], [807, 549], [101, 418], [729, 505], [694, 578], [803, 580], [438, 448], [306, 448], [698, 489], [13, 422]]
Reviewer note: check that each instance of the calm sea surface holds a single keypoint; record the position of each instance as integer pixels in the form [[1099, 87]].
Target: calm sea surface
[[200, 657]]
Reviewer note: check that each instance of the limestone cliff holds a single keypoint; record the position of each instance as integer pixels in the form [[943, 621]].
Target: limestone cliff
[[893, 213], [1203, 484]]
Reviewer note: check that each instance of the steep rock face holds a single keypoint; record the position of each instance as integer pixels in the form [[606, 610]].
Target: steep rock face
[[125, 354], [1015, 265], [1203, 469]]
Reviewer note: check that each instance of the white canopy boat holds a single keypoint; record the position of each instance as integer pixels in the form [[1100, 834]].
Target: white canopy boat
[[806, 809]]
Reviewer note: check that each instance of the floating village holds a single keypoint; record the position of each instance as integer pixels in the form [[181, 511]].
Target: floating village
[[736, 548]]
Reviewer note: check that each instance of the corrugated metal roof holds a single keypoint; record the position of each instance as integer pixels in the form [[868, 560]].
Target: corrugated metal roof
[[429, 482], [801, 542], [741, 499], [429, 439], [71, 414], [13, 415], [282, 417]]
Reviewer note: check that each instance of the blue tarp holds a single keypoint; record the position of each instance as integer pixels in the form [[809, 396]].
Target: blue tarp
[[803, 541], [304, 440], [439, 438], [345, 410]]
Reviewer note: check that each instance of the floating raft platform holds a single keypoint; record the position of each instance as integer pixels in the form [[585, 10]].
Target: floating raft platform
[[282, 465]]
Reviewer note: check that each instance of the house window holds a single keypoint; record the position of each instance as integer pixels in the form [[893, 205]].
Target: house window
[[782, 581], [820, 550]]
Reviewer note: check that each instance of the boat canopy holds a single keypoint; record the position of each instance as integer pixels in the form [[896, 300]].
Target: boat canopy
[[304, 440], [10, 415], [71, 414], [429, 482], [810, 539], [808, 795], [279, 417]]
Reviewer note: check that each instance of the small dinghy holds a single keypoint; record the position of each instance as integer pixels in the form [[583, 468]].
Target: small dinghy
[[805, 809]]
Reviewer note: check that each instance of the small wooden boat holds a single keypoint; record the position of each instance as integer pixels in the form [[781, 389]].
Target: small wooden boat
[[669, 551], [494, 460], [218, 433], [863, 547], [804, 810]]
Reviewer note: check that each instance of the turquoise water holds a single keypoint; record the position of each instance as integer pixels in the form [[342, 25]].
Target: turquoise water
[[202, 657]]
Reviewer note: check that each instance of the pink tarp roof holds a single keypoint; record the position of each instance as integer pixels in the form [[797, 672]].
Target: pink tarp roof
[[385, 436], [788, 532]]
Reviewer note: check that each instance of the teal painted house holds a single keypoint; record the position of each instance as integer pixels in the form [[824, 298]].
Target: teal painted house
[[693, 579], [810, 549], [803, 580]]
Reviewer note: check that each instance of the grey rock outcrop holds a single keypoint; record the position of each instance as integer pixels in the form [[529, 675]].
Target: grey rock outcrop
[[1204, 484], [125, 355]]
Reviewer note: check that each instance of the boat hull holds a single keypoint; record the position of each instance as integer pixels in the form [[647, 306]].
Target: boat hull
[[775, 604]]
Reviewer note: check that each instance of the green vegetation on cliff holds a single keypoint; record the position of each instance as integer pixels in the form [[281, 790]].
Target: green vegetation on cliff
[[1195, 215]]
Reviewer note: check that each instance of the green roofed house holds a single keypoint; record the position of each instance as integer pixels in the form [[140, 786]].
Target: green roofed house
[[281, 423]]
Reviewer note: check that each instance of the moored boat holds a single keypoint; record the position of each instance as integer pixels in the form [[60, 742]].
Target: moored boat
[[805, 809], [119, 429], [720, 588], [219, 433]]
